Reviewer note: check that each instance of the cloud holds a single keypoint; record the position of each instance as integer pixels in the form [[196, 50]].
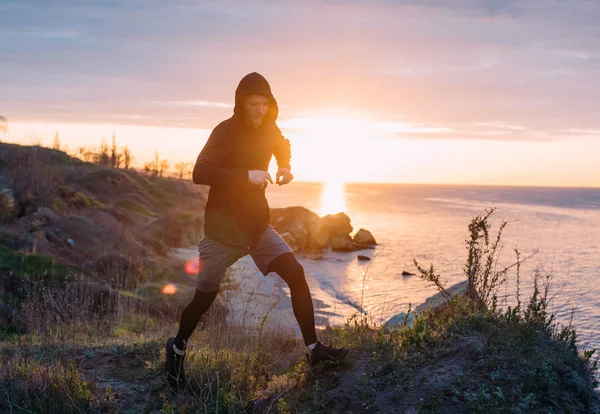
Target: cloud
[[457, 65], [205, 104]]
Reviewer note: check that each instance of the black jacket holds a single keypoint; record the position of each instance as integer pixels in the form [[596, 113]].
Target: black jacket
[[237, 212]]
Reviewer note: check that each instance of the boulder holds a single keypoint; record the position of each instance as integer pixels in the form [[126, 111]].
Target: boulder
[[324, 230], [47, 215], [304, 231], [294, 224], [41, 218], [317, 239], [363, 258], [53, 238], [363, 236], [284, 218], [341, 243], [336, 224], [9, 207], [34, 224]]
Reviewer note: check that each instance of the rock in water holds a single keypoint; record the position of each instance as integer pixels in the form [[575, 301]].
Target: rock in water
[[293, 224], [337, 224], [363, 236], [361, 257], [324, 230], [340, 243], [318, 239], [303, 230]]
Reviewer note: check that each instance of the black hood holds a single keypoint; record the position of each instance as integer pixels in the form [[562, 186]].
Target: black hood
[[255, 84]]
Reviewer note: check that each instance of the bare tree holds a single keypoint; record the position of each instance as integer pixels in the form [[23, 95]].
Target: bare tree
[[56, 142], [3, 125], [183, 168], [163, 166], [156, 167], [86, 155], [103, 157], [156, 163], [126, 158], [151, 167], [115, 157]]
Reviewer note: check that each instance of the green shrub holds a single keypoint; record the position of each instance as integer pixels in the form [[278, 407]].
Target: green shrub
[[32, 266], [78, 199]]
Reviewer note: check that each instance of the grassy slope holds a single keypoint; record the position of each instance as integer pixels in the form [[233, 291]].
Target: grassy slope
[[105, 223], [455, 360], [103, 210]]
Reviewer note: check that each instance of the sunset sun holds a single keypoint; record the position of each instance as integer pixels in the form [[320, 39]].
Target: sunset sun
[[333, 198], [337, 137], [335, 145]]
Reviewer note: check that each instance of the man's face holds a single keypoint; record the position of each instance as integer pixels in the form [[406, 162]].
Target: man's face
[[255, 108]]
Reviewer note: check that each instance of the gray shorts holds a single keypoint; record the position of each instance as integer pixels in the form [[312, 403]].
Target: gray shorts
[[216, 257]]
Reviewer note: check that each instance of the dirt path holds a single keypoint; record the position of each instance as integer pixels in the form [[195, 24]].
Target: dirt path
[[366, 384], [130, 379]]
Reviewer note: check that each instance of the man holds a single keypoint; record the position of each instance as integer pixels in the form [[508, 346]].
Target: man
[[234, 163]]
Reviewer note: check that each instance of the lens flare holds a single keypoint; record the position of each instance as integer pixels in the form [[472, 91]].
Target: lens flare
[[169, 289], [193, 266]]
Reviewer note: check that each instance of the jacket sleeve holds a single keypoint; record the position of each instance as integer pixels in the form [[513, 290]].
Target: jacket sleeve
[[283, 151], [208, 169]]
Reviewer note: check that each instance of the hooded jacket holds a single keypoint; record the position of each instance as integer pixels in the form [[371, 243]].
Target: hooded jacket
[[237, 212]]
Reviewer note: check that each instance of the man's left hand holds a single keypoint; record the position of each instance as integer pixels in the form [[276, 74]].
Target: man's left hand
[[284, 176]]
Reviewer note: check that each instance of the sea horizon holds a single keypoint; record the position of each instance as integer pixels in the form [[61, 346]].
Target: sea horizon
[[447, 184]]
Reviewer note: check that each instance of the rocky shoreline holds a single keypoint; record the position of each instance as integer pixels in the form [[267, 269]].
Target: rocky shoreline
[[305, 231]]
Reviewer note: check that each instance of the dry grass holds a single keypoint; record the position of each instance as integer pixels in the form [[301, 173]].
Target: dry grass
[[100, 353]]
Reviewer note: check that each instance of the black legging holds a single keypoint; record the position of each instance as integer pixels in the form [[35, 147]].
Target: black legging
[[288, 268], [191, 316], [292, 273]]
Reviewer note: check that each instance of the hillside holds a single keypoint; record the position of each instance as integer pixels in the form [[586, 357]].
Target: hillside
[[62, 218], [83, 322], [79, 212]]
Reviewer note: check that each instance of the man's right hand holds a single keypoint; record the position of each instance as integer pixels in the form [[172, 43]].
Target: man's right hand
[[259, 177]]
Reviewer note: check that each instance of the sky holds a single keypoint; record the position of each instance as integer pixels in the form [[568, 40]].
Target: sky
[[496, 92]]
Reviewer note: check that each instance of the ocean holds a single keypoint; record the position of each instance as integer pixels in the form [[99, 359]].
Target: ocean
[[429, 223]]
